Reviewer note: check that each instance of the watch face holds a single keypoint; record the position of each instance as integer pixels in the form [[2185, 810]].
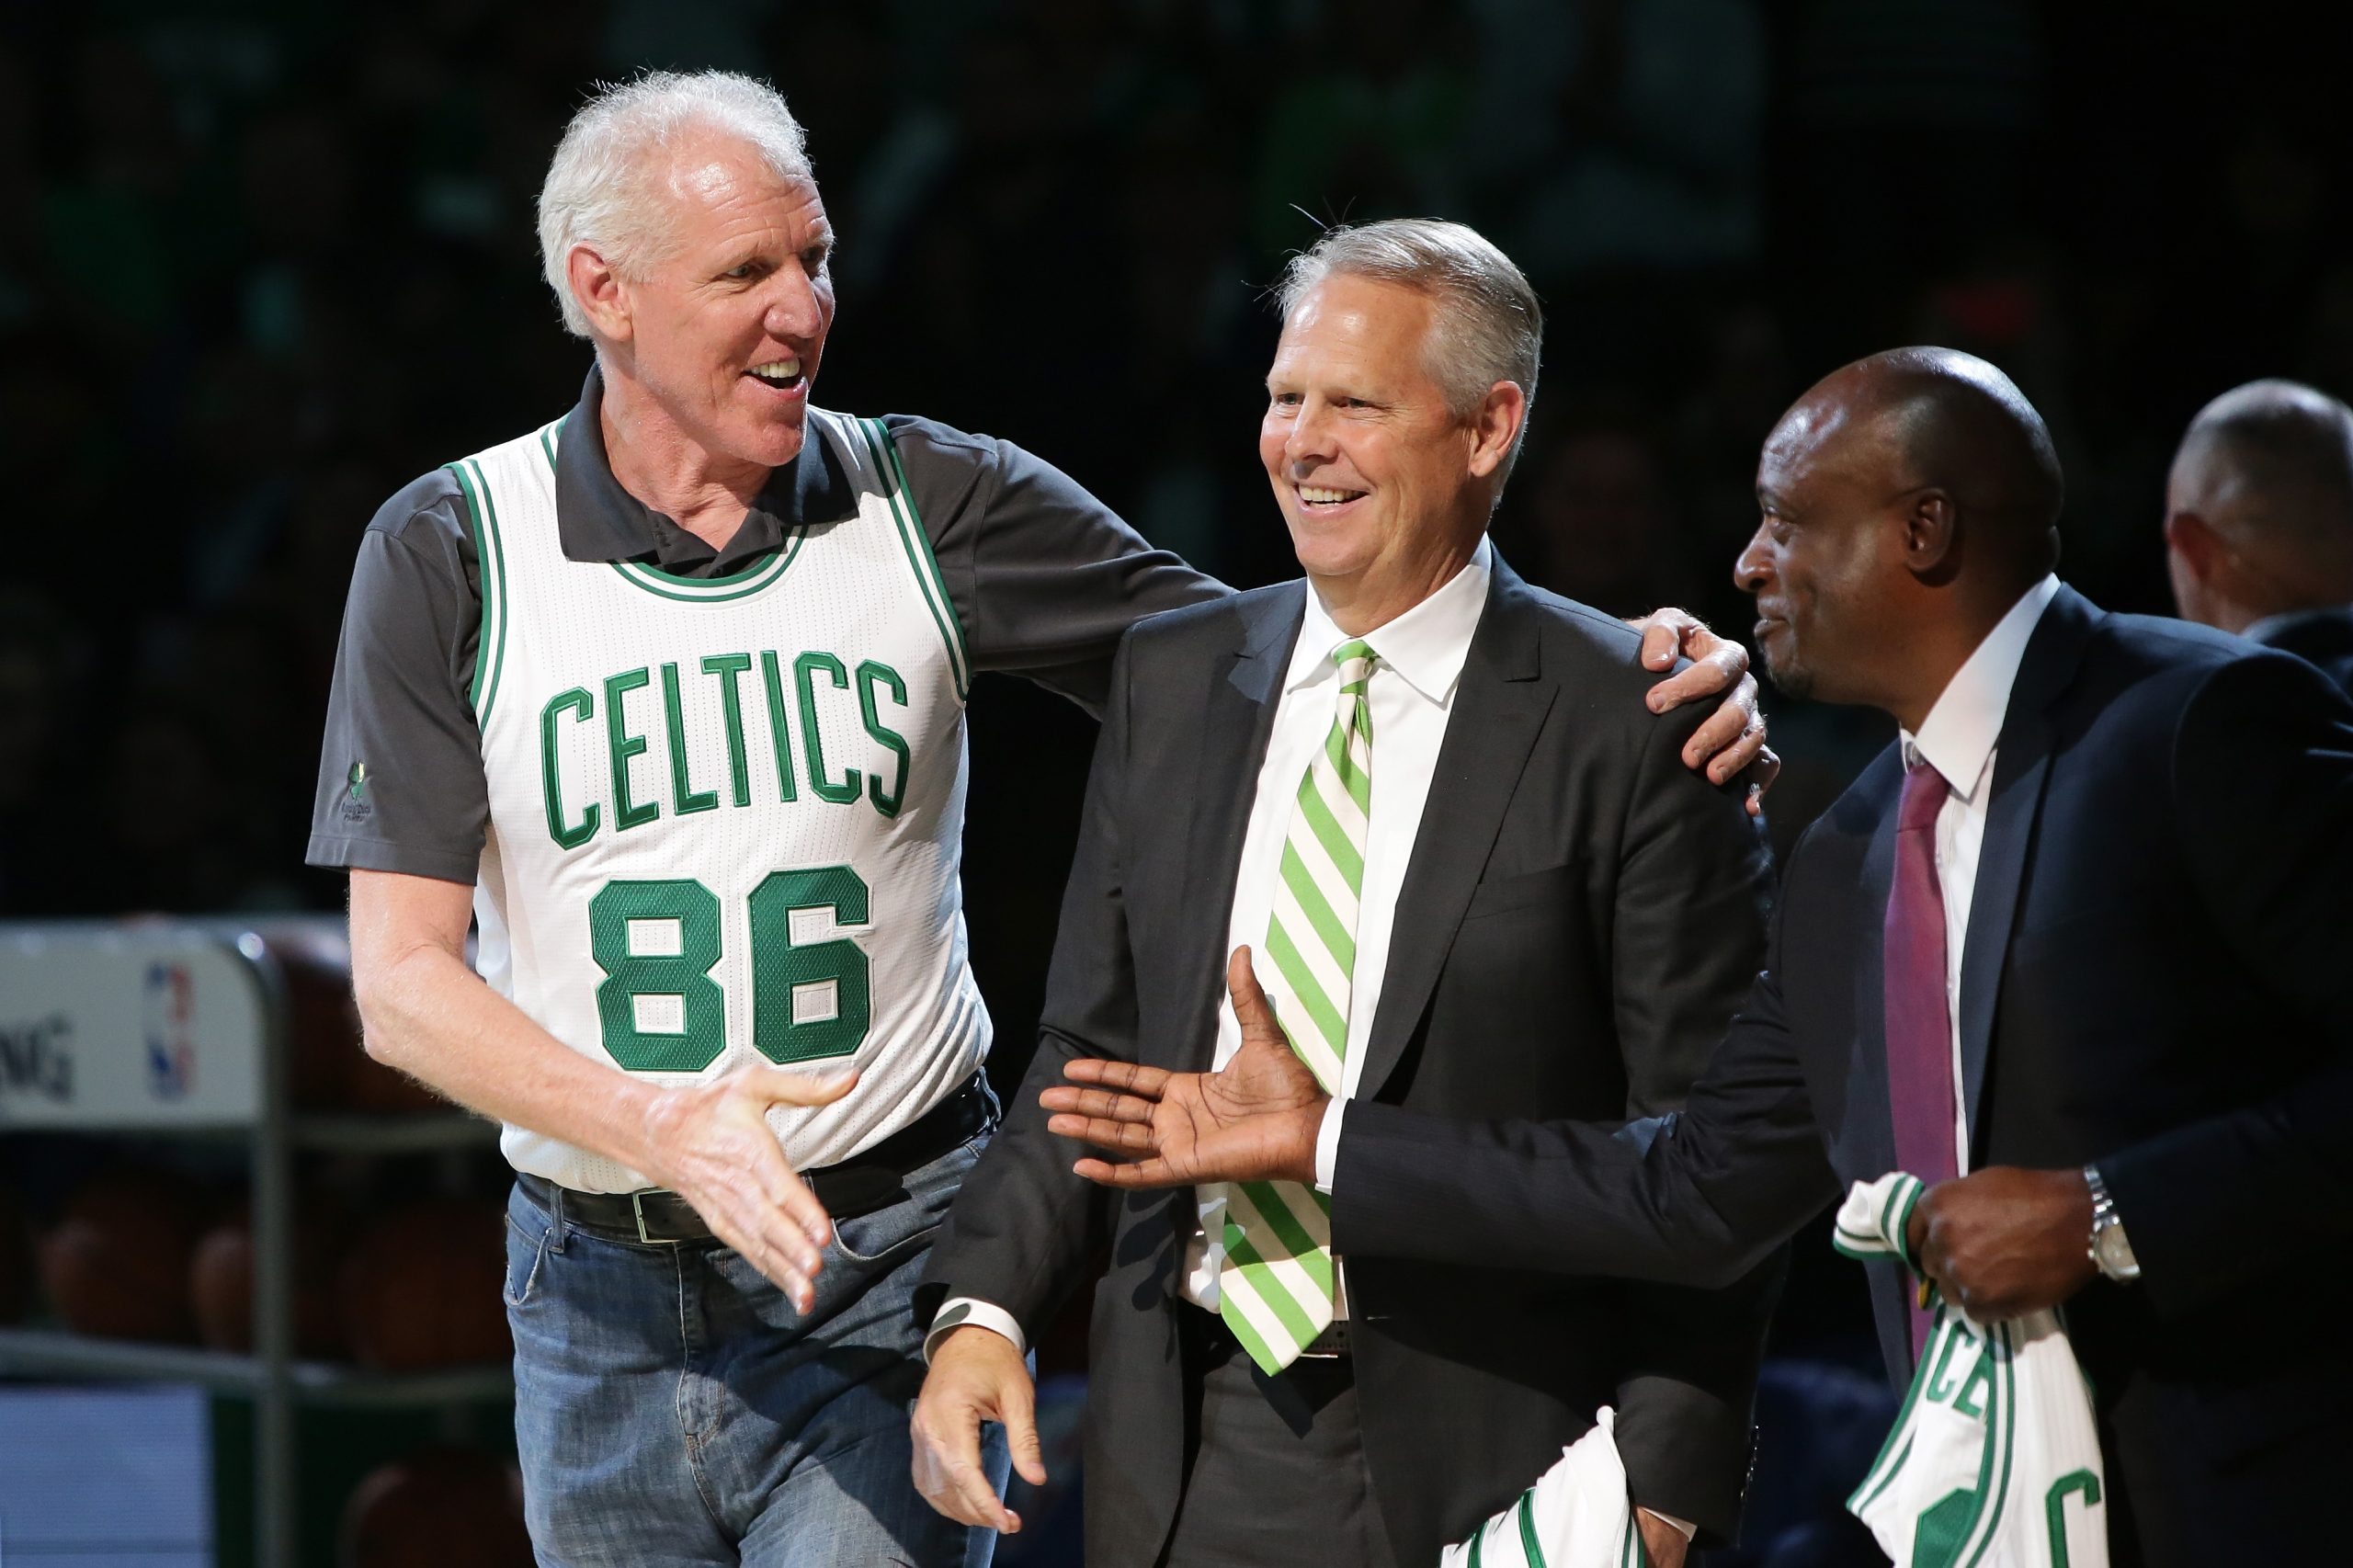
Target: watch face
[[2114, 1252]]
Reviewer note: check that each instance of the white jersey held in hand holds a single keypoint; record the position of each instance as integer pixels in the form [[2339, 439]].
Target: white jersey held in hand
[[1576, 1516], [1994, 1460]]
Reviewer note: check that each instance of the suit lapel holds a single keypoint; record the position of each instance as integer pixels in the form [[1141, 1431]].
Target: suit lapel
[[1864, 1144], [2022, 768], [1237, 715], [1870, 1120], [1499, 705]]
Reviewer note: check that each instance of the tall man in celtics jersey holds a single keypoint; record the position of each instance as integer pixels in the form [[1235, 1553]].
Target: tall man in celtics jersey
[[664, 696]]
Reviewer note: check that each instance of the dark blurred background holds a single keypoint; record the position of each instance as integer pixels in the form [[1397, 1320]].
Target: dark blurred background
[[261, 263]]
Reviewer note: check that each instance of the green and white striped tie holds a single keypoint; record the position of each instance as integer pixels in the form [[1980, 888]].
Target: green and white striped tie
[[1275, 1286]]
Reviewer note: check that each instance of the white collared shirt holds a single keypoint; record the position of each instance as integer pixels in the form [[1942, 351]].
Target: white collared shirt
[[1411, 694], [1958, 740]]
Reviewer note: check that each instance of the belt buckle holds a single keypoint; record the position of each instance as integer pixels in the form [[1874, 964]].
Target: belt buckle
[[637, 1207]]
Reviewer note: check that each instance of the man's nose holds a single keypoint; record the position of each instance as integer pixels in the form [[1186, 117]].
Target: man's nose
[[793, 309], [1754, 565], [1310, 439]]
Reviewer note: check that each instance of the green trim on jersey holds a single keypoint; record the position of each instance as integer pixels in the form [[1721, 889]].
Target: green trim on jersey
[[713, 590], [490, 566], [1895, 1464], [1530, 1547], [2002, 1343], [1897, 1447], [1870, 1244], [693, 590], [917, 544], [1631, 1552]]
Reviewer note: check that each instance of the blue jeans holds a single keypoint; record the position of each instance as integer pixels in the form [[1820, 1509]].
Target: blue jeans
[[672, 1408]]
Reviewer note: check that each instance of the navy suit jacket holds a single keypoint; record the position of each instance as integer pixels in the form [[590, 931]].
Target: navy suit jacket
[[2153, 980], [2320, 637]]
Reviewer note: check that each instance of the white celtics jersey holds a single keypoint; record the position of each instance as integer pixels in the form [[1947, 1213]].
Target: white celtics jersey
[[1576, 1516], [1994, 1460], [726, 814]]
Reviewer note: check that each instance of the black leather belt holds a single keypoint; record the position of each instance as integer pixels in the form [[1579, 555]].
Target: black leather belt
[[1211, 1334], [871, 1179], [1330, 1344]]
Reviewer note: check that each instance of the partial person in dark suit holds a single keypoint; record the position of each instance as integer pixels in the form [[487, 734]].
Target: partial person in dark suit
[[2080, 934], [1480, 880], [2260, 521]]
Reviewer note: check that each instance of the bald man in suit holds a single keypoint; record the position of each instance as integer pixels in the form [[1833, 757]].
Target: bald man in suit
[[2260, 521]]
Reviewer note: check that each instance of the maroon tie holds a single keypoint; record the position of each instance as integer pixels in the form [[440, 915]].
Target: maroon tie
[[1919, 1025]]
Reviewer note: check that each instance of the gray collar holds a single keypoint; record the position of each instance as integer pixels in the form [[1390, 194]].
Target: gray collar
[[598, 520]]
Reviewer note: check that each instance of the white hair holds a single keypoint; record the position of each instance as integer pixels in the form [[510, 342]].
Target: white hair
[[1488, 325], [606, 188]]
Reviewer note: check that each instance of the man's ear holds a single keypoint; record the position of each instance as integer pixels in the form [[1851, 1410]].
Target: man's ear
[[1932, 534], [1496, 426], [600, 292], [2194, 541]]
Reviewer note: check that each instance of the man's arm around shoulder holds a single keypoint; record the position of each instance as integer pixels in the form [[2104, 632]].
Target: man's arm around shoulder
[[1044, 578]]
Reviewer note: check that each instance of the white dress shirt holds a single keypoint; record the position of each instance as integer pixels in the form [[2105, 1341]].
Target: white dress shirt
[[1957, 740], [1411, 694]]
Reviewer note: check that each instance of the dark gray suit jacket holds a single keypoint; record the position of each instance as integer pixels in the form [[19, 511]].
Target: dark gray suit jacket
[[1580, 915]]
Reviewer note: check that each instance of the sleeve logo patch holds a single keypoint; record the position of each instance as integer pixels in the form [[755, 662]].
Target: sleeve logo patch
[[357, 807]]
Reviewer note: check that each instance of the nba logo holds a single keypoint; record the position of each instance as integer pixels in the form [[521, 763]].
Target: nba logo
[[170, 1029]]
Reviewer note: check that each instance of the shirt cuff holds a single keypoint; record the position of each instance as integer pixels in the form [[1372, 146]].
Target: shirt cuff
[[960, 1310], [1683, 1528], [1327, 1144]]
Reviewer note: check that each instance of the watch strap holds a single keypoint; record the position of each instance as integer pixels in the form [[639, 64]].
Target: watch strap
[[2105, 1219]]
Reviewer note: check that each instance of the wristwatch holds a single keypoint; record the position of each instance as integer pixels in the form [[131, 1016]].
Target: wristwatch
[[2111, 1251]]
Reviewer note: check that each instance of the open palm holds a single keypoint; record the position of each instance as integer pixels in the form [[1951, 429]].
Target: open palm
[[1255, 1118]]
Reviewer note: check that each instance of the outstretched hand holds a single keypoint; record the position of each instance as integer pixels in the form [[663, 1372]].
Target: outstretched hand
[[717, 1151], [1254, 1119]]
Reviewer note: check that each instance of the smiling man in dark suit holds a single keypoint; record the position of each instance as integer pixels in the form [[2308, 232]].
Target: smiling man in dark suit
[[1481, 880], [2080, 935]]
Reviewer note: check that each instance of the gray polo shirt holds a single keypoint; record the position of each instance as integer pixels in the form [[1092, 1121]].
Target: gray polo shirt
[[1044, 579]]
